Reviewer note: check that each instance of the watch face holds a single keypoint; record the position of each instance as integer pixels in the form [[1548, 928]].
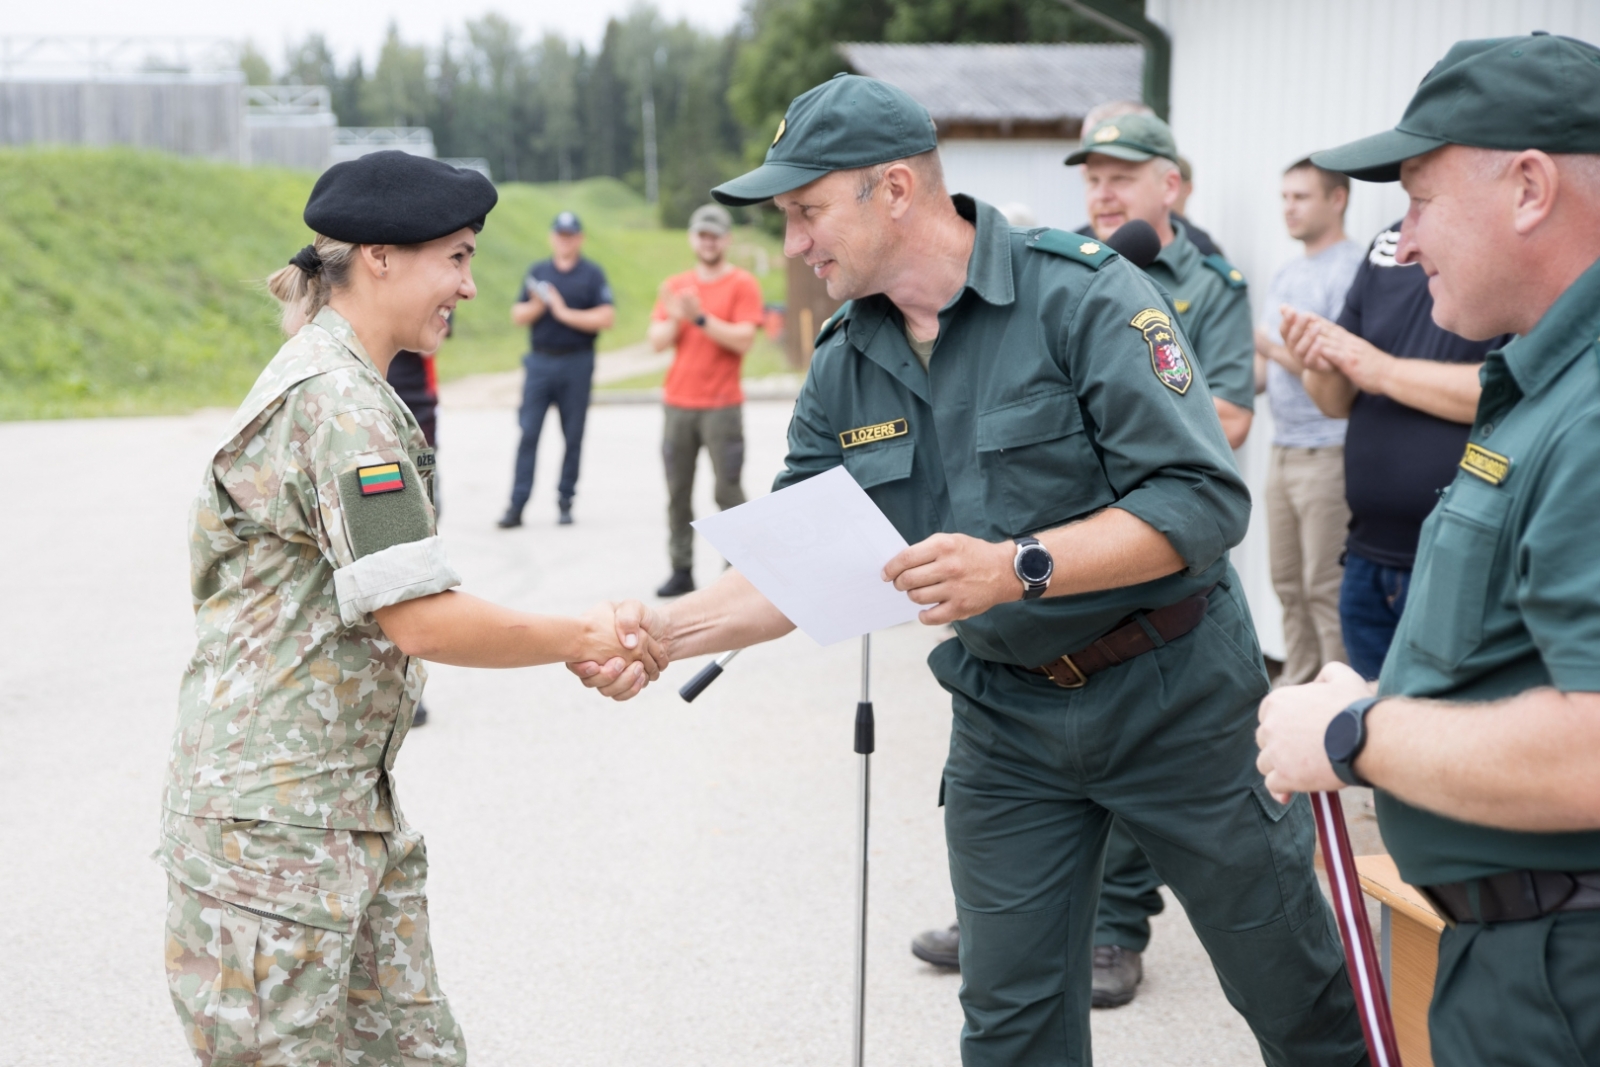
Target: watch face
[[1034, 564], [1343, 733]]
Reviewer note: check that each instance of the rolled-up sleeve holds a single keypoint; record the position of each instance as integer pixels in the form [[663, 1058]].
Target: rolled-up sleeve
[[1162, 449]]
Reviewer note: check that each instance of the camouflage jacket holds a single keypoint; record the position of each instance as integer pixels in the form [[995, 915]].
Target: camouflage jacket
[[314, 511]]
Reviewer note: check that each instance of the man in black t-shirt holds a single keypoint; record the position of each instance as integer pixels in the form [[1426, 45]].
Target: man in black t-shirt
[[1410, 391], [565, 302]]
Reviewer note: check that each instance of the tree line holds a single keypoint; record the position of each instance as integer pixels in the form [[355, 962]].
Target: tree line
[[542, 108]]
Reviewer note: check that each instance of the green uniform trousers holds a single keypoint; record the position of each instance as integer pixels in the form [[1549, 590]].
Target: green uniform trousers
[[1166, 743], [1519, 994], [1129, 894], [684, 431]]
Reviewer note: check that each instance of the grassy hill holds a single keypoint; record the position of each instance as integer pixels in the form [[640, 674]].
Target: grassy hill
[[131, 282]]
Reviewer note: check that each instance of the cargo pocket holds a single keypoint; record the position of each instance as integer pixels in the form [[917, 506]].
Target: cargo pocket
[[1038, 466], [1452, 592], [1289, 839]]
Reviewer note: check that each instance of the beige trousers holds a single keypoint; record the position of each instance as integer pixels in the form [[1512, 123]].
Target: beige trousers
[[1307, 518]]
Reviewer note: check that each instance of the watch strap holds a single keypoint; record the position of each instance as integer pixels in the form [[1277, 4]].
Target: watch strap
[[1344, 764]]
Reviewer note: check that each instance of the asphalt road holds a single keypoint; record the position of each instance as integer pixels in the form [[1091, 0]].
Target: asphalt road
[[648, 883]]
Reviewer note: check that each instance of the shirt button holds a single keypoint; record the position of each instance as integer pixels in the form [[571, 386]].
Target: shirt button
[[1488, 428]]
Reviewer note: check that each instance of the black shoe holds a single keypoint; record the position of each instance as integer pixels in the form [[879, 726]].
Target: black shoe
[[680, 583], [942, 948], [419, 717], [510, 520], [566, 513], [1117, 974]]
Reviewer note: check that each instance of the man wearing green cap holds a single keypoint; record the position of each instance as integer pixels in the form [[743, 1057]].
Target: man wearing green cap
[[1022, 407], [1481, 734]]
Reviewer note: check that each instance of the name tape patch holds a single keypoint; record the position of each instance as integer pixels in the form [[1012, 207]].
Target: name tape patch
[[865, 435], [1492, 467], [388, 478]]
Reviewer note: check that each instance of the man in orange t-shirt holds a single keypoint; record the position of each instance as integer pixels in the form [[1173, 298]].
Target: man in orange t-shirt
[[711, 315]]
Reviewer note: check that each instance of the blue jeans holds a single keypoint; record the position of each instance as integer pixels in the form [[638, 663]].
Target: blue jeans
[[1371, 599], [564, 381]]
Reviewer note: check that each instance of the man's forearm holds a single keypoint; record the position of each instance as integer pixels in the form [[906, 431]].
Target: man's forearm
[[589, 320], [1110, 550], [1447, 391], [1236, 421], [734, 336], [1527, 763], [663, 334], [527, 313], [1331, 391], [730, 613]]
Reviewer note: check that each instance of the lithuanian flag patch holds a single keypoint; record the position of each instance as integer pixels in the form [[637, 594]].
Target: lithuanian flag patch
[[385, 479]]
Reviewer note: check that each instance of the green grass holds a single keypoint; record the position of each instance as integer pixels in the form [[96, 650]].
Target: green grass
[[131, 282]]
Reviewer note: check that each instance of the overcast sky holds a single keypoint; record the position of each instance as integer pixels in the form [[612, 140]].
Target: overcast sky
[[348, 26]]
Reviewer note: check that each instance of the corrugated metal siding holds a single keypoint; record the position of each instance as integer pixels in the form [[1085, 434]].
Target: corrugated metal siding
[[1258, 84], [1024, 172], [191, 118]]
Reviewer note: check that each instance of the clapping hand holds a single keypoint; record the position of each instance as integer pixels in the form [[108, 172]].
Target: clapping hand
[[1326, 346], [621, 652]]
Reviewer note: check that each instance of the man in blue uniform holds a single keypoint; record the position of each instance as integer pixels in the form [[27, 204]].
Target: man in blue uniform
[[1069, 508], [1482, 733]]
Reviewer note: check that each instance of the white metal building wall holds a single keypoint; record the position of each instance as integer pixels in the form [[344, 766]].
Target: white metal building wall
[[1030, 172], [1258, 84]]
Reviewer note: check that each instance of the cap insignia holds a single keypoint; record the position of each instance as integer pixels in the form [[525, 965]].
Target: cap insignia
[[1236, 276], [1088, 248], [783, 125], [1106, 133]]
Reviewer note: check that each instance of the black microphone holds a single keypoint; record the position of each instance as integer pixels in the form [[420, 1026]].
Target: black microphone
[[1136, 242]]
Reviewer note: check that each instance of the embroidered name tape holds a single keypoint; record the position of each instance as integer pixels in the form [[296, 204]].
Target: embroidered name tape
[[865, 435], [1492, 467], [385, 479]]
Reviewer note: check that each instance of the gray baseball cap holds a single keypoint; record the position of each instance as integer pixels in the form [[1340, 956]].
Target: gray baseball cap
[[567, 222], [845, 123], [711, 218]]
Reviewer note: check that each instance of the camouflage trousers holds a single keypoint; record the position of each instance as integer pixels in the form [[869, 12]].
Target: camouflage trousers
[[295, 945]]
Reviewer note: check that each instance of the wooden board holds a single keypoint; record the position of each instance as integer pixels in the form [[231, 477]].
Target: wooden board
[[1414, 929]]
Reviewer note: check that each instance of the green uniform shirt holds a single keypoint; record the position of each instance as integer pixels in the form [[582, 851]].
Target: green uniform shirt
[[1505, 595], [1052, 393], [1213, 305]]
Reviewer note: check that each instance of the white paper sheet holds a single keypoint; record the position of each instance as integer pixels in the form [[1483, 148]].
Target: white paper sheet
[[817, 550]]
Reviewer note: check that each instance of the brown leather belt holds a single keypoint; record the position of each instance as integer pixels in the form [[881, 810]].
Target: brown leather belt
[[1131, 637], [1515, 896]]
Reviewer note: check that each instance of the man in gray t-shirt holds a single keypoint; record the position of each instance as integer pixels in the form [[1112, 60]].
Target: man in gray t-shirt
[[1306, 511]]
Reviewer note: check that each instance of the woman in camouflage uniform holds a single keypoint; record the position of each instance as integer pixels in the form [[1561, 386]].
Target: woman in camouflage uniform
[[297, 923]]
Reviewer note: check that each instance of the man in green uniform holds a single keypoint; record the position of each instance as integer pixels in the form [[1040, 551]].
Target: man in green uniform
[[1131, 172], [1023, 409], [1482, 734]]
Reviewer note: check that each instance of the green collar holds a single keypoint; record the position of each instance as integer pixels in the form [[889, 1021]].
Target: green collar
[[337, 325], [1565, 332], [1181, 256]]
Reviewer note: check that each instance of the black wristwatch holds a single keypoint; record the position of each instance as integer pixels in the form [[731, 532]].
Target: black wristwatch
[[1346, 737], [1033, 565], [700, 321]]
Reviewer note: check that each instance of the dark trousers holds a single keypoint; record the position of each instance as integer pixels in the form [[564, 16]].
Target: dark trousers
[[1371, 599], [1130, 893], [564, 381], [684, 431], [1166, 744], [1517, 994]]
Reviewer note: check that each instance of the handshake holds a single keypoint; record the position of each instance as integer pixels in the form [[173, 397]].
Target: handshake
[[621, 648]]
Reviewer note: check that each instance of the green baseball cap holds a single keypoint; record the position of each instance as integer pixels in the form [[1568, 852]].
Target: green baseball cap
[[1135, 138], [842, 124], [1506, 93]]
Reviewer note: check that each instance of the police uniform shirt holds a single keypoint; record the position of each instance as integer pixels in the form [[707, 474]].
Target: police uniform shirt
[[1057, 387], [583, 287], [1213, 305], [1507, 579]]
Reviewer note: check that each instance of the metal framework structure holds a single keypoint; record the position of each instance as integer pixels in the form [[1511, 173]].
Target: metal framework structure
[[65, 56]]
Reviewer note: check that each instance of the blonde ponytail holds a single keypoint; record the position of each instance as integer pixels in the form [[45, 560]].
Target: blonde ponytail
[[308, 282]]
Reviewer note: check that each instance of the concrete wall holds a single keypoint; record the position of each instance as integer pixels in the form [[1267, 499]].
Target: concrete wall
[[1028, 172], [195, 117], [1257, 84]]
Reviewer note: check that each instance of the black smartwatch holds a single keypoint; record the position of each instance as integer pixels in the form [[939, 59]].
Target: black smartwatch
[[1033, 565], [1346, 737], [700, 321]]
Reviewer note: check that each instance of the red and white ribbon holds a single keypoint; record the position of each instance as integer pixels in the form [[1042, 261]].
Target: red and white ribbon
[[1366, 975]]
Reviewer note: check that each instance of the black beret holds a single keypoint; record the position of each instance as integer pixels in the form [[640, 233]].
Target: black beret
[[396, 198]]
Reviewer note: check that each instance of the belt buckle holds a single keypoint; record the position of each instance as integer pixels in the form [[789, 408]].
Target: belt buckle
[[1081, 678]]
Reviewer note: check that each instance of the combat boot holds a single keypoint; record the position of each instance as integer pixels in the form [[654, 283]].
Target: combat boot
[[1117, 974], [942, 948]]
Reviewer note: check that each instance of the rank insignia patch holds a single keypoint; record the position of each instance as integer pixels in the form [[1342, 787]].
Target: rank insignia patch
[[1492, 467], [865, 435], [1166, 355], [1181, 305], [385, 479]]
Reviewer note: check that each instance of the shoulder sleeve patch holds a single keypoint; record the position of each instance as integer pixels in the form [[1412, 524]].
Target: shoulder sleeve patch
[[832, 324], [1085, 250], [383, 506], [1230, 274]]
